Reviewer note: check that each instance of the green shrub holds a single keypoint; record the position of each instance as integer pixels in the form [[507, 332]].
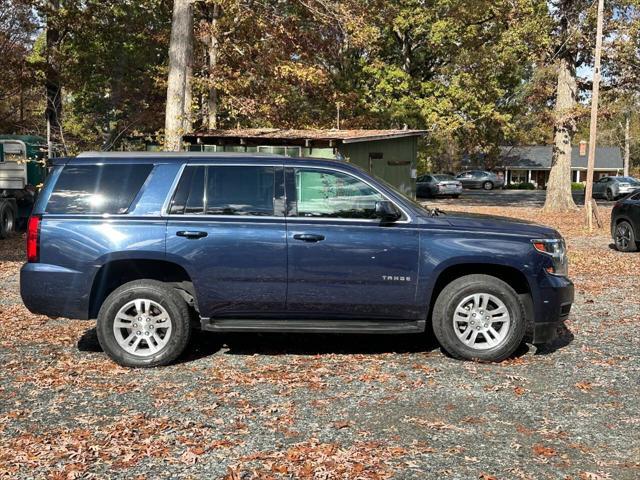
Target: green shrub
[[521, 186], [577, 186]]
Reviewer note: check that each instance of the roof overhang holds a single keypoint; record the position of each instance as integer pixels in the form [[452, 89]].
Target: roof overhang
[[302, 138]]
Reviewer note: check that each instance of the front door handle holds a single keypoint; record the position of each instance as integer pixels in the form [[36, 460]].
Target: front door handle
[[308, 237], [191, 234]]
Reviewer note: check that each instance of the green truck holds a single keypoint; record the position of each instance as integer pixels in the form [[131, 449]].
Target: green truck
[[22, 171]]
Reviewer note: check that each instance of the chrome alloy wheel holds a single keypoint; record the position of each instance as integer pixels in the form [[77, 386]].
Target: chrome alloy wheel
[[142, 327], [481, 321], [623, 236]]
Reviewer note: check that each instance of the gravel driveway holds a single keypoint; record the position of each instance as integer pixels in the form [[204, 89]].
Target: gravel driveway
[[331, 406]]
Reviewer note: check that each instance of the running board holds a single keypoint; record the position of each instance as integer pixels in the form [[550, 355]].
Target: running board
[[312, 326]]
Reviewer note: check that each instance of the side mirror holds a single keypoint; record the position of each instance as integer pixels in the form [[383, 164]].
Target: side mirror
[[387, 211]]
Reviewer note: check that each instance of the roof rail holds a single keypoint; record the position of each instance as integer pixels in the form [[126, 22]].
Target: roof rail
[[174, 154]]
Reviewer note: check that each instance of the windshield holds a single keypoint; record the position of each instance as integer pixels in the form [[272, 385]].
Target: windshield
[[630, 180], [442, 178]]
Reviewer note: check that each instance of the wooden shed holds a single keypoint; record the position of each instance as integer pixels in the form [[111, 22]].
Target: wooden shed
[[388, 154]]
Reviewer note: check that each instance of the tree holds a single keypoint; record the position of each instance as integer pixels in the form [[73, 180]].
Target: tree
[[179, 57], [455, 68], [19, 95], [573, 50]]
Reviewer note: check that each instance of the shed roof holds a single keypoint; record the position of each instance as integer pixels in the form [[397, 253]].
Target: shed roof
[[293, 135], [539, 156]]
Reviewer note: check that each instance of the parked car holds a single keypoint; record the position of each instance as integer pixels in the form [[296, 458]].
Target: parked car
[[625, 223], [438, 185], [155, 245], [612, 188], [480, 179]]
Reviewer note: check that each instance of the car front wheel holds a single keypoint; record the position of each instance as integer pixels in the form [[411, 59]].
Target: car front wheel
[[625, 237], [479, 317], [144, 323]]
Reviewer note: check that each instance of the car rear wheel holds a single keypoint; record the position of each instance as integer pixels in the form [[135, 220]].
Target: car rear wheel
[[144, 323], [7, 220], [625, 237], [487, 185], [479, 317], [609, 195]]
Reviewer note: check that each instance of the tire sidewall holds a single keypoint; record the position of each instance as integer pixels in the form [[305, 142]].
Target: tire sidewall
[[6, 212], [450, 298], [168, 299], [633, 246], [487, 186]]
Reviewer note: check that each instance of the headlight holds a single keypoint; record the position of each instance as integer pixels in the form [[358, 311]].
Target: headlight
[[557, 250]]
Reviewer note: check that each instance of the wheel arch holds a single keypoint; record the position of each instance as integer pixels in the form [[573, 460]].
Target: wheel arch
[[515, 278], [115, 273]]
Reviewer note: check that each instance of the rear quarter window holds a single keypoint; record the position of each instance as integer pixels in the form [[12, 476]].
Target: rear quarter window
[[97, 189]]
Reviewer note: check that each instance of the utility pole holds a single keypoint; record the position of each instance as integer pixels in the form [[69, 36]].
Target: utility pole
[[593, 128]]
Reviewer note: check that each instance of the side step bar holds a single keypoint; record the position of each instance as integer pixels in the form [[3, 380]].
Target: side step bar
[[312, 326]]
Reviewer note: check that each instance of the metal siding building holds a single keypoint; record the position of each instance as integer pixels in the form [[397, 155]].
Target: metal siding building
[[388, 154]]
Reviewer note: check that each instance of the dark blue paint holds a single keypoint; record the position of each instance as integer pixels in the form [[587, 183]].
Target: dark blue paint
[[253, 266]]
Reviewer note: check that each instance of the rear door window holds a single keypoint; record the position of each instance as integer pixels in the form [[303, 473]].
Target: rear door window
[[97, 189], [225, 190]]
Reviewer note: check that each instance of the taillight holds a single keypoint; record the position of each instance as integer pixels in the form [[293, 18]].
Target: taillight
[[33, 239]]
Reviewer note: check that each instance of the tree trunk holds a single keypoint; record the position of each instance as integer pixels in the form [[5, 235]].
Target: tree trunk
[[212, 104], [181, 28], [53, 108], [559, 197], [627, 144], [187, 125]]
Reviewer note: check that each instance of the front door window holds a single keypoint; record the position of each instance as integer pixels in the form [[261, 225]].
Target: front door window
[[325, 194]]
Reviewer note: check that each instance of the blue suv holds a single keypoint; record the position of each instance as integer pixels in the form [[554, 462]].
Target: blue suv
[[157, 245]]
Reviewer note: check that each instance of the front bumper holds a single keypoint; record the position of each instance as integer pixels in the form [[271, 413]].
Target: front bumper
[[554, 306]]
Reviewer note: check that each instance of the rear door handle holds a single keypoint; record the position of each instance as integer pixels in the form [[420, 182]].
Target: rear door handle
[[191, 234], [308, 237]]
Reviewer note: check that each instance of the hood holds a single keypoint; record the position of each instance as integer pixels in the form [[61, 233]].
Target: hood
[[497, 224]]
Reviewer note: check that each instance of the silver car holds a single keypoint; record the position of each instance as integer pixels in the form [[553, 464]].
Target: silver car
[[480, 179], [612, 188], [438, 185]]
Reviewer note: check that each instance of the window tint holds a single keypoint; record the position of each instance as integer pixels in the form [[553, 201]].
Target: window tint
[[320, 193], [230, 190], [97, 189], [189, 196], [240, 191]]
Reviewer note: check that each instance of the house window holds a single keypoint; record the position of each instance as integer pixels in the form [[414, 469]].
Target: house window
[[519, 176], [288, 151]]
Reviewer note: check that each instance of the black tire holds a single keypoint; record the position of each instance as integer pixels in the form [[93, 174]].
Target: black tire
[[454, 293], [625, 238], [158, 292], [609, 195], [487, 185], [7, 220], [456, 196]]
